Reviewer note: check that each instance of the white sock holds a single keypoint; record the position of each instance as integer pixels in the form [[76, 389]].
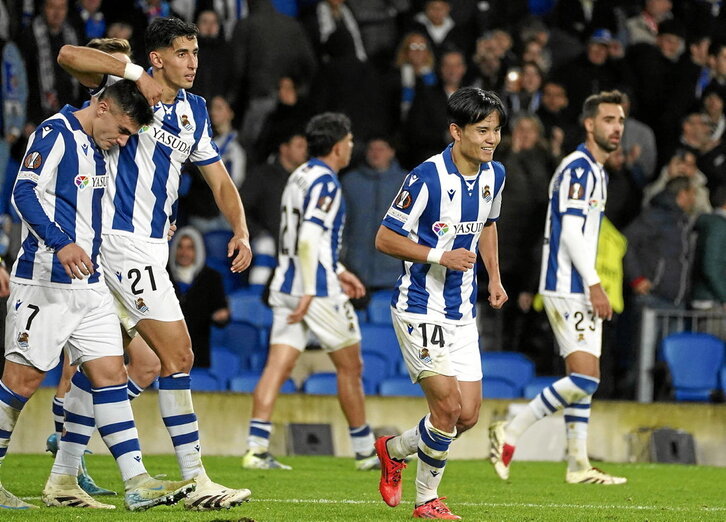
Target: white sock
[[361, 438], [177, 412], [11, 404], [79, 425], [258, 439], [433, 449], [577, 417]]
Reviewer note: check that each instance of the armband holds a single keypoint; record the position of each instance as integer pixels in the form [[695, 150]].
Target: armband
[[434, 256]]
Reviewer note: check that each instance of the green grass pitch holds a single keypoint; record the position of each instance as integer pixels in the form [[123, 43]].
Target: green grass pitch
[[328, 489]]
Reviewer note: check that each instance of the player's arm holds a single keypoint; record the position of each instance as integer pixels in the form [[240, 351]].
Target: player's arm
[[572, 239], [352, 286], [91, 66], [489, 250], [401, 247], [227, 198], [307, 250]]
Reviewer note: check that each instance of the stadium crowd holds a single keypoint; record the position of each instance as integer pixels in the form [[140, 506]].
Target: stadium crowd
[[267, 66]]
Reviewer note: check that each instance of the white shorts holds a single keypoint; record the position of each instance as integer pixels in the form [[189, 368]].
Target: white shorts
[[446, 349], [331, 319], [135, 271], [42, 320], [575, 326]]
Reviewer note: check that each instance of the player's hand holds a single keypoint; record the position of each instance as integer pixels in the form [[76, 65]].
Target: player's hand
[[302, 308], [150, 88], [244, 253], [75, 261], [352, 286], [171, 232], [460, 259], [497, 295], [4, 282], [600, 302]]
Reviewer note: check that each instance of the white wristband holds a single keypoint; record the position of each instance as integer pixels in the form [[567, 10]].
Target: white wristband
[[434, 256], [133, 72]]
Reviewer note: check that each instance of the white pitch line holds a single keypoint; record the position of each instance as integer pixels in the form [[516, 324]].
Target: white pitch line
[[500, 504]]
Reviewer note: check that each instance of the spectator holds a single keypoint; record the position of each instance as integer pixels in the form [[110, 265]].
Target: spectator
[[267, 46], [334, 31], [713, 107], [415, 63], [262, 190], [426, 130], [709, 283], [198, 203], [643, 28], [694, 74], [529, 167], [624, 193], [682, 164], [717, 62], [638, 146], [522, 90], [88, 20], [369, 190], [436, 24], [199, 289], [579, 18], [657, 263], [290, 114], [378, 27], [594, 71], [561, 130], [695, 134], [492, 59], [213, 71], [50, 88], [230, 13]]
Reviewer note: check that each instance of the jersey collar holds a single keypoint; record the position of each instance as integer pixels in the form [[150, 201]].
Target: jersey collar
[[68, 111], [581, 147], [318, 162], [451, 166]]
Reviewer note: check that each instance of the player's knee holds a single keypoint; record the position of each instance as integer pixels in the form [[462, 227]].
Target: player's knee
[[586, 383], [467, 420], [352, 368]]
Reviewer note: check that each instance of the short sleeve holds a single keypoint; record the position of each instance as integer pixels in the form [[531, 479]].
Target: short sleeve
[[408, 205], [576, 179], [320, 202], [204, 151]]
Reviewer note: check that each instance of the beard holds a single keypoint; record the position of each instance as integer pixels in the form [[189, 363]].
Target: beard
[[605, 144]]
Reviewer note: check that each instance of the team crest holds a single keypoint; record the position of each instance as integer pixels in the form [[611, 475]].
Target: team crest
[[403, 200], [486, 193], [440, 229], [576, 191], [33, 160], [81, 181], [185, 122], [351, 327], [424, 355], [581, 338], [141, 306], [23, 340]]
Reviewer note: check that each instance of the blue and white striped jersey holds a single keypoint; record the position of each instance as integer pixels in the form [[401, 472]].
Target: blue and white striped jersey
[[312, 194], [58, 193], [579, 188], [145, 173], [440, 208]]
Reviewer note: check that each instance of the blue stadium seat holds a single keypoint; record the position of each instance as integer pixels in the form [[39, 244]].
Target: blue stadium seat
[[242, 337], [248, 307], [515, 367], [216, 336], [225, 363], [362, 316], [722, 379], [537, 384], [375, 369], [245, 382], [381, 340], [215, 243], [499, 388], [203, 380], [321, 384], [399, 387], [694, 361], [379, 307]]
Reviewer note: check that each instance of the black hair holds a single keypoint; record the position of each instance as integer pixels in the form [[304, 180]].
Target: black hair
[[163, 31], [715, 46], [593, 102], [111, 45], [718, 197], [677, 185], [325, 130], [130, 100], [470, 105]]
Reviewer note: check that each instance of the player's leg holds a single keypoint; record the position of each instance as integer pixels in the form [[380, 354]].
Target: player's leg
[[57, 406], [171, 343], [349, 369], [143, 365], [281, 360], [17, 385], [470, 405], [584, 367], [556, 397], [465, 358], [96, 343]]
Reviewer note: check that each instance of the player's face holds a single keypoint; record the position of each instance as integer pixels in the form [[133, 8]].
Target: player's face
[[112, 126], [178, 62], [477, 141], [345, 150], [607, 126]]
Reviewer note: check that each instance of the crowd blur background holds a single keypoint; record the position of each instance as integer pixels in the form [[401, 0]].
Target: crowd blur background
[[266, 66]]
